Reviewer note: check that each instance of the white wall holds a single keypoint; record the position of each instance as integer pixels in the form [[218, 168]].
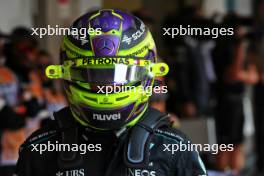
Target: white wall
[[242, 7], [87, 5], [14, 13], [214, 6]]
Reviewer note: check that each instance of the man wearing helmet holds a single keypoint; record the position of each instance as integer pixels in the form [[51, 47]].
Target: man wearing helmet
[[131, 136]]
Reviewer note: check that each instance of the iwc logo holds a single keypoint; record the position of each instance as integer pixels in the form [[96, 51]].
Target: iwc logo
[[75, 172], [140, 172]]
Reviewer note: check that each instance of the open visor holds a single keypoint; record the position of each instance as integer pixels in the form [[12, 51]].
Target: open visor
[[116, 74]]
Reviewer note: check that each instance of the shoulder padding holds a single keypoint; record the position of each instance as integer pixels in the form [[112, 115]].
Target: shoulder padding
[[137, 147]]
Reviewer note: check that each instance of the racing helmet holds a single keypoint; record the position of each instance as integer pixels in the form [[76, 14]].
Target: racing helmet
[[109, 71]]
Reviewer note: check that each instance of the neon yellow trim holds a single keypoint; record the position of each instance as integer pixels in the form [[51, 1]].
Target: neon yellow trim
[[117, 15], [108, 101], [95, 15], [73, 51], [54, 71], [159, 69], [112, 11], [84, 85], [114, 32]]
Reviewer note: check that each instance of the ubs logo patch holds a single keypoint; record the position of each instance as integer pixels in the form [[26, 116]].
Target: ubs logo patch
[[75, 172]]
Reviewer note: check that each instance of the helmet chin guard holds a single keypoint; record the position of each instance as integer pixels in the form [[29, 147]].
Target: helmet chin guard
[[108, 112]]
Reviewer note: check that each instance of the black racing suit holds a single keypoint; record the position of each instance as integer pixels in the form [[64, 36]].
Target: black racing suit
[[107, 153]]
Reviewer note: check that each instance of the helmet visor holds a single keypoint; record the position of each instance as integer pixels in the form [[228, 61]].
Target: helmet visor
[[116, 74]]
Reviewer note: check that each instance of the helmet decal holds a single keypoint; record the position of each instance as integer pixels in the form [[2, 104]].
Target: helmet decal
[[106, 20], [105, 45]]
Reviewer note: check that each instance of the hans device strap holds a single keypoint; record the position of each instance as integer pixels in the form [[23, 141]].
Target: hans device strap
[[69, 135], [136, 154]]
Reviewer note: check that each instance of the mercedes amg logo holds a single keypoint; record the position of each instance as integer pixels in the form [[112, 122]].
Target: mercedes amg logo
[[105, 46]]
